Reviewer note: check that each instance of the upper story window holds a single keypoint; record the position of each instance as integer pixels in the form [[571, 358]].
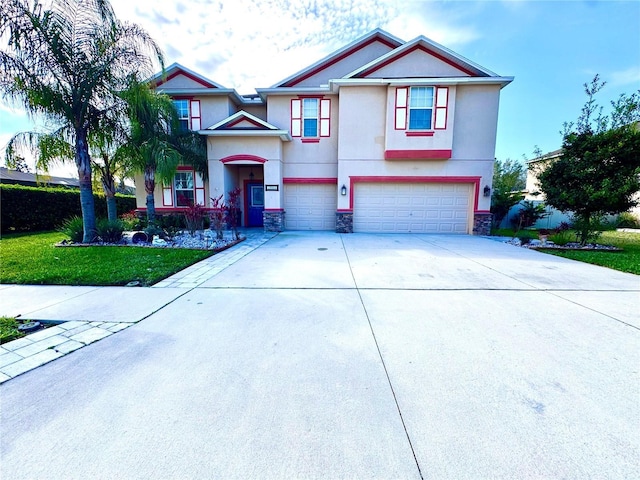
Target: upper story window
[[182, 107], [310, 117], [420, 108], [188, 113]]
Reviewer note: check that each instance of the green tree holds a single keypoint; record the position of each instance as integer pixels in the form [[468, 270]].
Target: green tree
[[57, 148], [67, 63], [156, 145], [598, 172], [509, 178], [109, 160]]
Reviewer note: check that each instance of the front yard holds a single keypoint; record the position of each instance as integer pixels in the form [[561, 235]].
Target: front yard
[[33, 259], [626, 261]]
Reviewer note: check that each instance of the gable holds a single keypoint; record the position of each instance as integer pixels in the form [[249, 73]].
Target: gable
[[243, 124], [180, 80], [178, 77], [426, 58], [344, 60], [417, 63], [242, 121], [344, 65]]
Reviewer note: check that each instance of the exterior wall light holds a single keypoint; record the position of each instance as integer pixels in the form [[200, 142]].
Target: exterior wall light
[[487, 191], [343, 190]]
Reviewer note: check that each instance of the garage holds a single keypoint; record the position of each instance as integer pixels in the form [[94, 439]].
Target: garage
[[310, 206], [412, 207]]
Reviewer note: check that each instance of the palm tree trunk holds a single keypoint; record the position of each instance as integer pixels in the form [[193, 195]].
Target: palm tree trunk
[[83, 162], [109, 187], [149, 187], [112, 208]]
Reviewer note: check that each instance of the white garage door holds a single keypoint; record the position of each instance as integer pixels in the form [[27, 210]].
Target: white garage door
[[310, 206], [412, 207]]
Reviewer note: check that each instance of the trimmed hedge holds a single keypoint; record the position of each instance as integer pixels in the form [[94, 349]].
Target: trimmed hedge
[[33, 209]]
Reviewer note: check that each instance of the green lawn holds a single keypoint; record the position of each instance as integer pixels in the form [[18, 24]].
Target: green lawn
[[626, 261], [33, 259], [9, 329]]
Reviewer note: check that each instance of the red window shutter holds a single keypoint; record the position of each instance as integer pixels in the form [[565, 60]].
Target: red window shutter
[[167, 196], [401, 108], [325, 117], [442, 100], [199, 186], [296, 117], [196, 116]]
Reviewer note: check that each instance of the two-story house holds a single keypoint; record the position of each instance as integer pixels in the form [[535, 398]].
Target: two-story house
[[380, 136]]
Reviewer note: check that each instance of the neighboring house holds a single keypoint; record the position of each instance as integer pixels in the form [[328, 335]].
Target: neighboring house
[[380, 136], [533, 194], [8, 176]]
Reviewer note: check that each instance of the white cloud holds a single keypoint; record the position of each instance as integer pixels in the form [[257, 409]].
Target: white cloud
[[629, 76], [435, 21], [245, 44], [13, 111]]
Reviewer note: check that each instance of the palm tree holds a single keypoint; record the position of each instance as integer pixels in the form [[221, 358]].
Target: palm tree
[[156, 145], [57, 148], [108, 159], [68, 63]]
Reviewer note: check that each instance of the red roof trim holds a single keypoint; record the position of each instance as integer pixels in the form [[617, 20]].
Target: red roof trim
[[411, 50], [342, 56], [243, 118], [186, 74]]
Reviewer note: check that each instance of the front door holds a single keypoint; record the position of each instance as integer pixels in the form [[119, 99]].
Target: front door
[[254, 200]]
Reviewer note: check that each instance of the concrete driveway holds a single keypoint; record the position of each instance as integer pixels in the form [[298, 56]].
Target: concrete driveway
[[350, 356]]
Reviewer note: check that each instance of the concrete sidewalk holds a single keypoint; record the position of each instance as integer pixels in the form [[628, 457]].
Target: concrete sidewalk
[[351, 356], [93, 313]]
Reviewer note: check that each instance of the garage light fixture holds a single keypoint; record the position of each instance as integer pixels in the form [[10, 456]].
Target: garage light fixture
[[487, 191], [343, 190]]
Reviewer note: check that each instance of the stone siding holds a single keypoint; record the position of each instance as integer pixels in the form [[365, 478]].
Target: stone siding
[[344, 222], [482, 223], [273, 221]]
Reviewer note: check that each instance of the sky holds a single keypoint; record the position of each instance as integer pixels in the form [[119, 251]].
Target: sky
[[552, 48]]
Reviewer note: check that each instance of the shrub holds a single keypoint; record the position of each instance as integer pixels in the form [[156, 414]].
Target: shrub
[[131, 221], [169, 225], [72, 228], [217, 216], [152, 230], [564, 226], [524, 239], [561, 237], [589, 230], [233, 210], [628, 220], [194, 218], [110, 231], [32, 209], [528, 215]]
